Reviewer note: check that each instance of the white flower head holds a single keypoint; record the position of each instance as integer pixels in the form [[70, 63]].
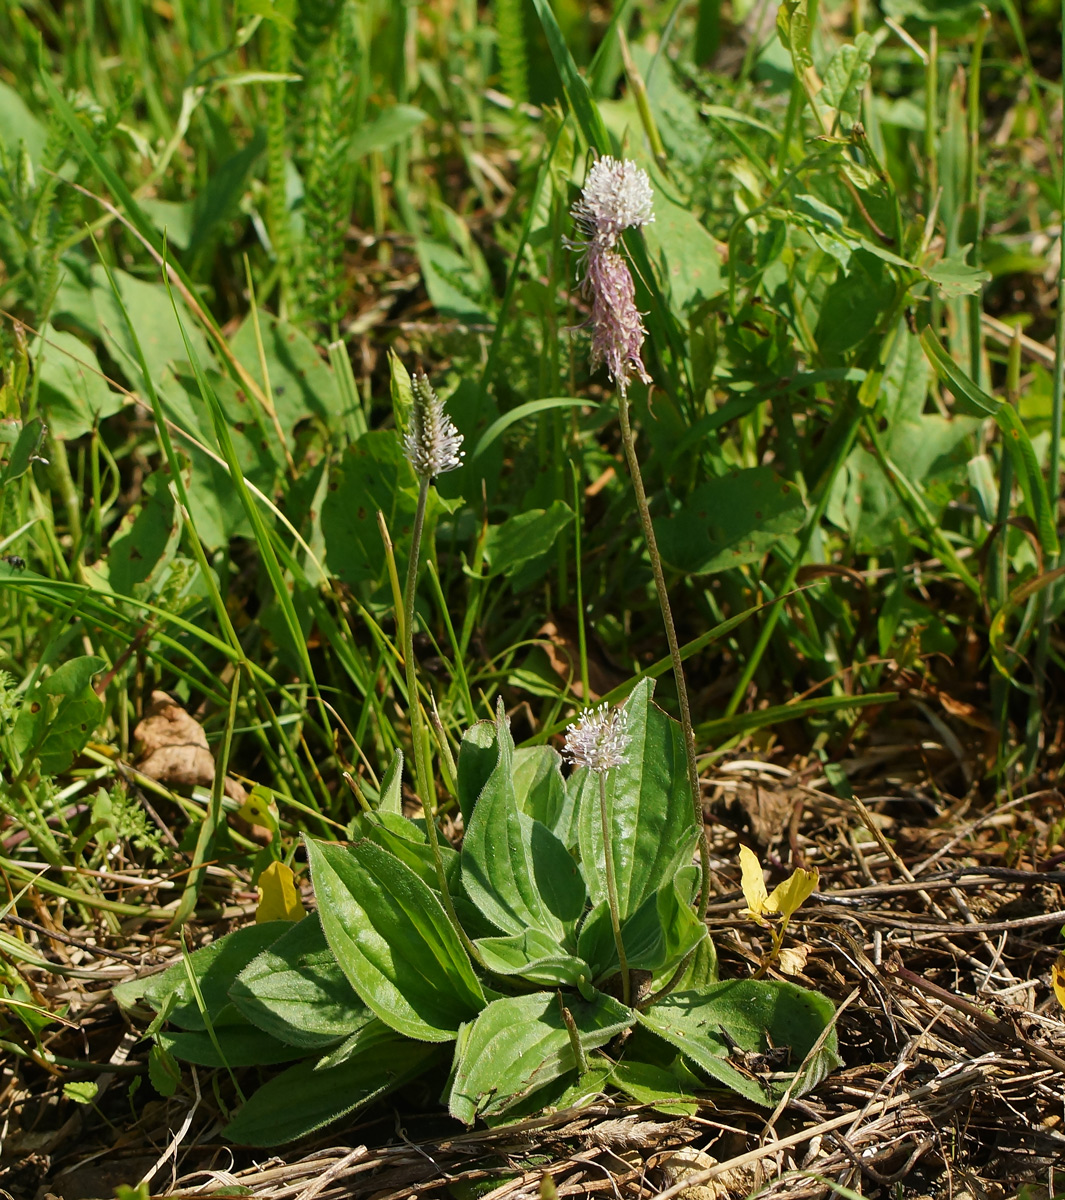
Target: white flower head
[[598, 739], [432, 444], [617, 196]]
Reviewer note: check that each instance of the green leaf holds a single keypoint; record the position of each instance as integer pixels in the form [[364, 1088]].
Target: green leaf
[[218, 201], [513, 868], [308, 1096], [386, 130], [373, 475], [541, 792], [302, 384], [18, 124], [759, 1016], [164, 1071], [537, 957], [152, 316], [530, 408], [26, 448], [955, 277], [669, 1091], [296, 991], [74, 395], [391, 798], [522, 538], [731, 521], [657, 936], [686, 255], [241, 1045], [520, 1043], [59, 716], [478, 756], [393, 940], [846, 76], [649, 807], [1015, 437], [143, 545], [214, 967], [81, 1092]]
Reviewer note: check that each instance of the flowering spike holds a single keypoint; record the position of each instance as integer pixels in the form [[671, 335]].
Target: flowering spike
[[598, 739], [616, 196], [432, 444]]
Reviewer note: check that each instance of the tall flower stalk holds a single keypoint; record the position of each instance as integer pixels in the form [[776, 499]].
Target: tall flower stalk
[[617, 196], [432, 446], [598, 741]]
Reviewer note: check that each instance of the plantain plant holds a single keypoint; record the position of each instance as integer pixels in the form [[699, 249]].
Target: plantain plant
[[520, 1007]]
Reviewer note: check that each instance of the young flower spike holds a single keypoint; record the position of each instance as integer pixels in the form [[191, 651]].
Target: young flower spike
[[616, 196], [432, 444], [598, 739]]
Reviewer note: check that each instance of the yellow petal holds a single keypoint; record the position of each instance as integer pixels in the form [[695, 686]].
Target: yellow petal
[[752, 882], [260, 809], [786, 897], [1057, 978], [279, 898]]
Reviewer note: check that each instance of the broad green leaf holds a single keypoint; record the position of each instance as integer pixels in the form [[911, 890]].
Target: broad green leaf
[[373, 475], [1015, 437], [152, 316], [74, 395], [670, 1091], [525, 537], [649, 808], [393, 940], [143, 546], [295, 991], [514, 869], [686, 255], [306, 1097], [455, 285], [59, 716], [18, 124], [302, 384], [541, 791], [846, 76], [699, 971], [242, 1045], [657, 936], [731, 521], [478, 756], [537, 957], [955, 277], [520, 1043], [758, 1015], [215, 967], [386, 130]]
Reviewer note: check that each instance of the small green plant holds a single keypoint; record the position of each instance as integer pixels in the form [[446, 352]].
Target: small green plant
[[567, 914]]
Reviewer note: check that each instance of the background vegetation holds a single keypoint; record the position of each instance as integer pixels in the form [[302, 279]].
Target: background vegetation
[[217, 221]]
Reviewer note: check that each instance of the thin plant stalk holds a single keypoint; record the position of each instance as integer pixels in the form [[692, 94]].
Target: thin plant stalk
[[612, 891], [423, 774], [674, 648]]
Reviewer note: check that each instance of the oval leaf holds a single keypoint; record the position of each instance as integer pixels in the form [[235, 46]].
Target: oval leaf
[[519, 1044], [393, 940]]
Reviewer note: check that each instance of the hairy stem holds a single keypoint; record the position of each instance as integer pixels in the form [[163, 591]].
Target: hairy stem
[[674, 649]]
